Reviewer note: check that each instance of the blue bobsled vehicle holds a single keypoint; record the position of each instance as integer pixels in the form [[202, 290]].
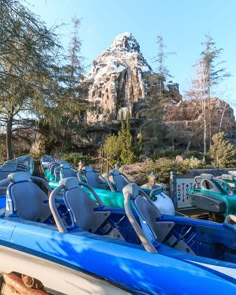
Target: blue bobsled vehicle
[[74, 244]]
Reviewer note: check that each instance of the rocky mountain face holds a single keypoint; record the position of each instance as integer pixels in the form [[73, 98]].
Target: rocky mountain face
[[120, 77], [121, 81], [218, 110], [184, 120]]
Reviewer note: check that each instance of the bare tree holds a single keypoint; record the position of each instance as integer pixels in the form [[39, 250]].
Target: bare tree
[[213, 72], [160, 59], [208, 75]]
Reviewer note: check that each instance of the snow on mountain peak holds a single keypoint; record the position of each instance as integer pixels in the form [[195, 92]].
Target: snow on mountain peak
[[118, 78], [125, 42]]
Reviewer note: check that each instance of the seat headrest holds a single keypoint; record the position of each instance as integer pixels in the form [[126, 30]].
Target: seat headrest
[[8, 167], [46, 157], [13, 161], [88, 168], [69, 182], [61, 162], [115, 172], [65, 165], [207, 175], [25, 161], [227, 176], [132, 189], [19, 176]]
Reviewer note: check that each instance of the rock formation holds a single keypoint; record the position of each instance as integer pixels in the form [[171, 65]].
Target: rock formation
[[119, 78], [121, 81], [184, 120]]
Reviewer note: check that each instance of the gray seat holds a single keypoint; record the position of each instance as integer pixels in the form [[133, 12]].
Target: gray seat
[[64, 170], [117, 180], [52, 167], [46, 160], [91, 177], [25, 199], [7, 168], [143, 215], [80, 205]]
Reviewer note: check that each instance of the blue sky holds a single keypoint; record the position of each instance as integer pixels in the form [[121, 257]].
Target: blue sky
[[183, 25]]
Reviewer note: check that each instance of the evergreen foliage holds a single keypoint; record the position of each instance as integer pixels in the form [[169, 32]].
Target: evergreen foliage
[[74, 158], [208, 74], [213, 74], [27, 53], [222, 152], [162, 168], [112, 147], [161, 57], [42, 88], [192, 163], [69, 110], [125, 139], [121, 147]]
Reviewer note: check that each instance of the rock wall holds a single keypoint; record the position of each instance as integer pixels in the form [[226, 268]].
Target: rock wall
[[118, 79], [184, 121], [219, 114]]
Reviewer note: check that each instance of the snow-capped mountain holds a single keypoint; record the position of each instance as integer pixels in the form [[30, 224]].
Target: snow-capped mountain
[[118, 79]]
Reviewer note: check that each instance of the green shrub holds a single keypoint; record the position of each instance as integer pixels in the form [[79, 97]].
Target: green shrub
[[121, 147], [192, 163], [222, 152], [194, 154], [162, 168], [167, 153], [3, 154], [74, 158], [112, 147]]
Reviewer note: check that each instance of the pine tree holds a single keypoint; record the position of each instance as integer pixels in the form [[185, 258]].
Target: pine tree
[[222, 151], [160, 58], [212, 73], [208, 75], [70, 91], [121, 147], [125, 138], [112, 148]]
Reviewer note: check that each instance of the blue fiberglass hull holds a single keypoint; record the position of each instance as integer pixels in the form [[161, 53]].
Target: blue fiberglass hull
[[127, 266]]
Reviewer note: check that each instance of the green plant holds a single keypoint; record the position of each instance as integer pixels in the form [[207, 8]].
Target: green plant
[[3, 154], [125, 139], [194, 154], [192, 163], [120, 147], [112, 148], [162, 168], [74, 158], [222, 152]]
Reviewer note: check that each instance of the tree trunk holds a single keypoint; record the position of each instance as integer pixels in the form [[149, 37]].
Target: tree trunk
[[222, 117], [188, 146], [9, 149], [209, 111], [204, 131]]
